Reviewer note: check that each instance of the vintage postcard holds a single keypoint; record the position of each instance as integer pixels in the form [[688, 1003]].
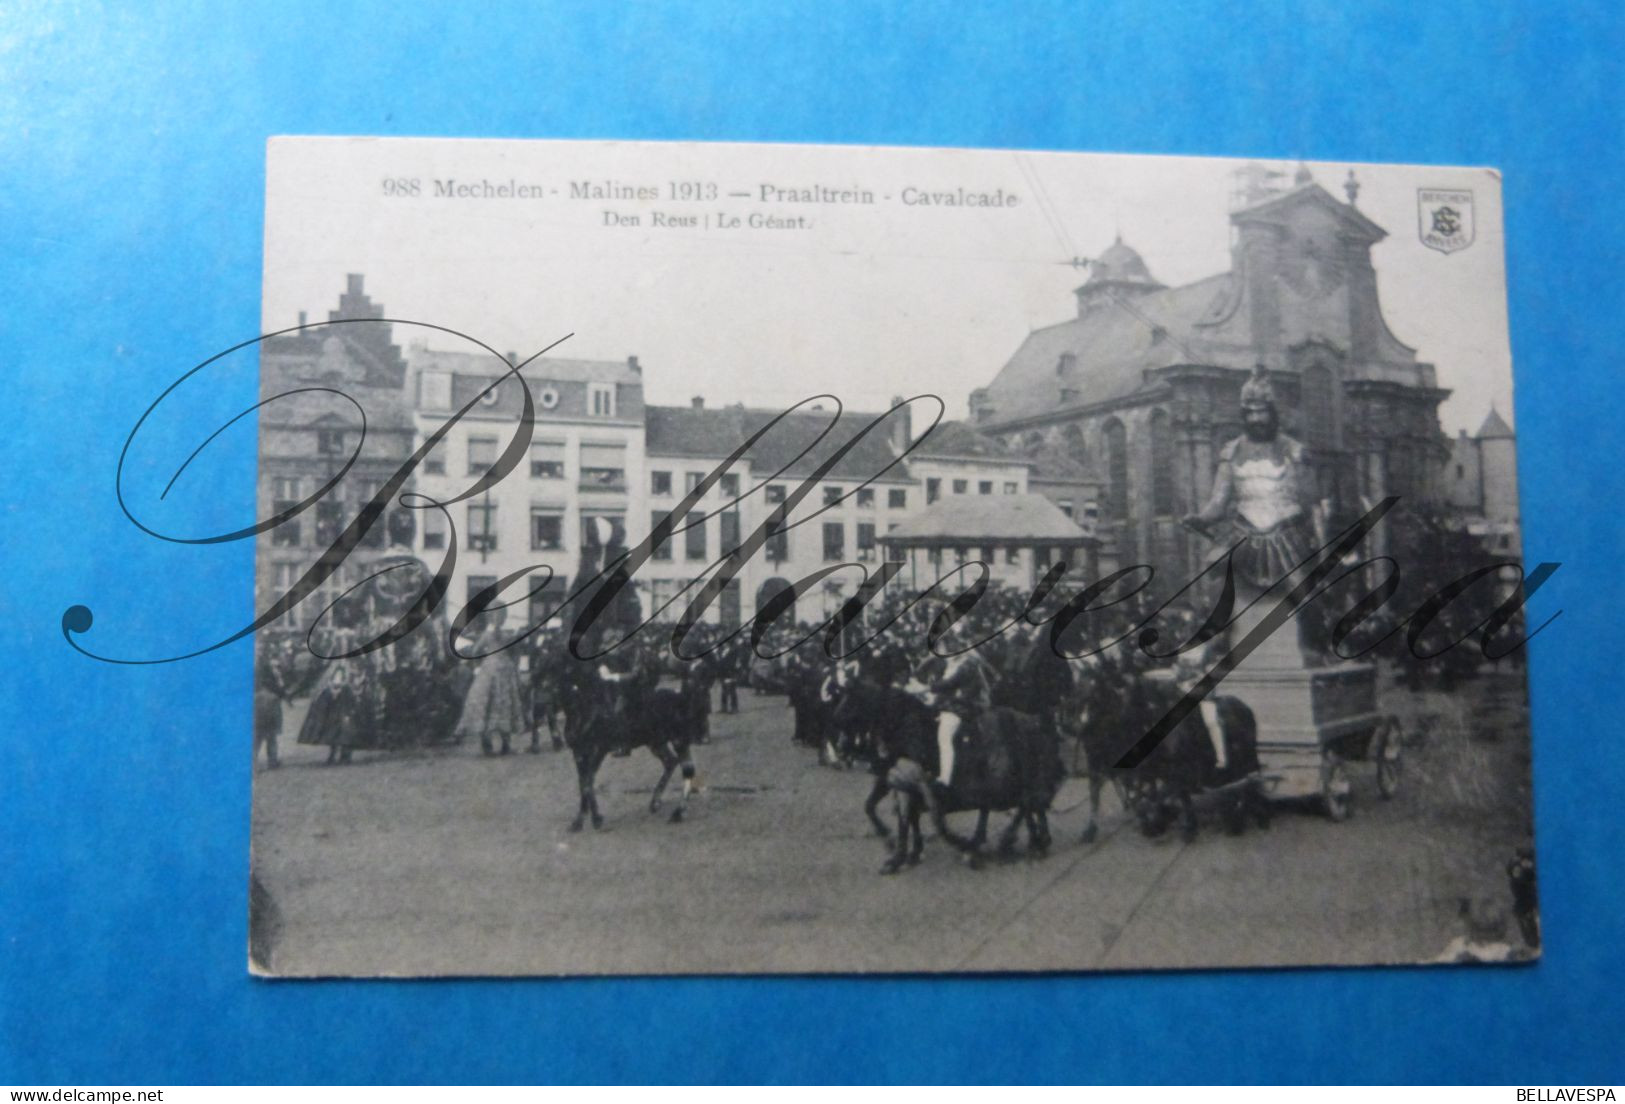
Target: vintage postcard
[[696, 558]]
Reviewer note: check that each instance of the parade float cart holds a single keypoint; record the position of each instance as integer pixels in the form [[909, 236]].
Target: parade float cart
[[1312, 723]]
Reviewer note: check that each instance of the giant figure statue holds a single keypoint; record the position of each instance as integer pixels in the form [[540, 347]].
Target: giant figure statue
[[1265, 505]]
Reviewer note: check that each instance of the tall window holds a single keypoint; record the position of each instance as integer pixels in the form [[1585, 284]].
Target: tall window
[[660, 482], [834, 541], [694, 540], [730, 485], [482, 453], [547, 460], [662, 549], [933, 490], [866, 541], [730, 530], [692, 481], [778, 546], [603, 467], [477, 583], [866, 498], [601, 399], [285, 496], [482, 526], [1162, 466], [329, 521], [897, 498], [1116, 442], [434, 529], [546, 529], [330, 442], [832, 495]]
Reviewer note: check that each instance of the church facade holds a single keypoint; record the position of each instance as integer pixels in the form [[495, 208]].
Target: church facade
[[1143, 385]]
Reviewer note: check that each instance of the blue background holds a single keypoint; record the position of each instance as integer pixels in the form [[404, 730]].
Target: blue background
[[131, 188]]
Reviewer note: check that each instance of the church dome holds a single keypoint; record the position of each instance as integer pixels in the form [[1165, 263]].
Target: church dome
[[1120, 264], [1119, 271]]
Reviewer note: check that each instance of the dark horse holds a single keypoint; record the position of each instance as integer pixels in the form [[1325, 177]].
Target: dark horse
[[1185, 764], [606, 716], [1010, 762]]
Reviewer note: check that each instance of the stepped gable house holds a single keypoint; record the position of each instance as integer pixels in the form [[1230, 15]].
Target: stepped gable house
[[307, 437], [1143, 385]]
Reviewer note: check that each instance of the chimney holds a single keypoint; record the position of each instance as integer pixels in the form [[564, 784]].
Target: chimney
[[302, 317], [353, 283], [513, 357], [902, 425], [633, 366], [697, 402]]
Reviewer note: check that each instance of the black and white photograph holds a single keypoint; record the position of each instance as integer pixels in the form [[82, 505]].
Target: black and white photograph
[[717, 559]]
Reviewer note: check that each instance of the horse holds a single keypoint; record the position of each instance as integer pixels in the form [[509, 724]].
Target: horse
[[1184, 763], [606, 716], [1011, 763]]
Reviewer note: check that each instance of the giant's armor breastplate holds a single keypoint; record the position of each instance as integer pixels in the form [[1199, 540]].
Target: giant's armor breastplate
[[1267, 492]]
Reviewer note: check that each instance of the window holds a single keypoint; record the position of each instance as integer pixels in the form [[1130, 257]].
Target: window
[[603, 467], [330, 442], [329, 521], [933, 490], [434, 465], [778, 546], [482, 453], [692, 480], [663, 596], [546, 529], [285, 496], [1163, 494], [774, 493], [866, 498], [1116, 442], [537, 606], [482, 526], [834, 541], [730, 485], [961, 486], [961, 555], [601, 399], [694, 540], [934, 555], [547, 460], [866, 541], [1461, 471], [434, 529], [832, 495], [730, 531], [602, 533], [1012, 488], [1012, 556], [897, 498], [985, 487], [660, 482], [1066, 506], [477, 583], [286, 575], [661, 549]]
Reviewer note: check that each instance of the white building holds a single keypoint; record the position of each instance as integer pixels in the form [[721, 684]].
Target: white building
[[579, 490]]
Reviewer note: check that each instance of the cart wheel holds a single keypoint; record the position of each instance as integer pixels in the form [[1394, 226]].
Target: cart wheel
[[1334, 790], [1385, 749]]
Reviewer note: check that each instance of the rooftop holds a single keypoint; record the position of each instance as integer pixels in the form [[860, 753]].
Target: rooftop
[[989, 519]]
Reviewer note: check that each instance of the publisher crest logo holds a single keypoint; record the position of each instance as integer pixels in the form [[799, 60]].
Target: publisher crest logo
[[1445, 218]]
